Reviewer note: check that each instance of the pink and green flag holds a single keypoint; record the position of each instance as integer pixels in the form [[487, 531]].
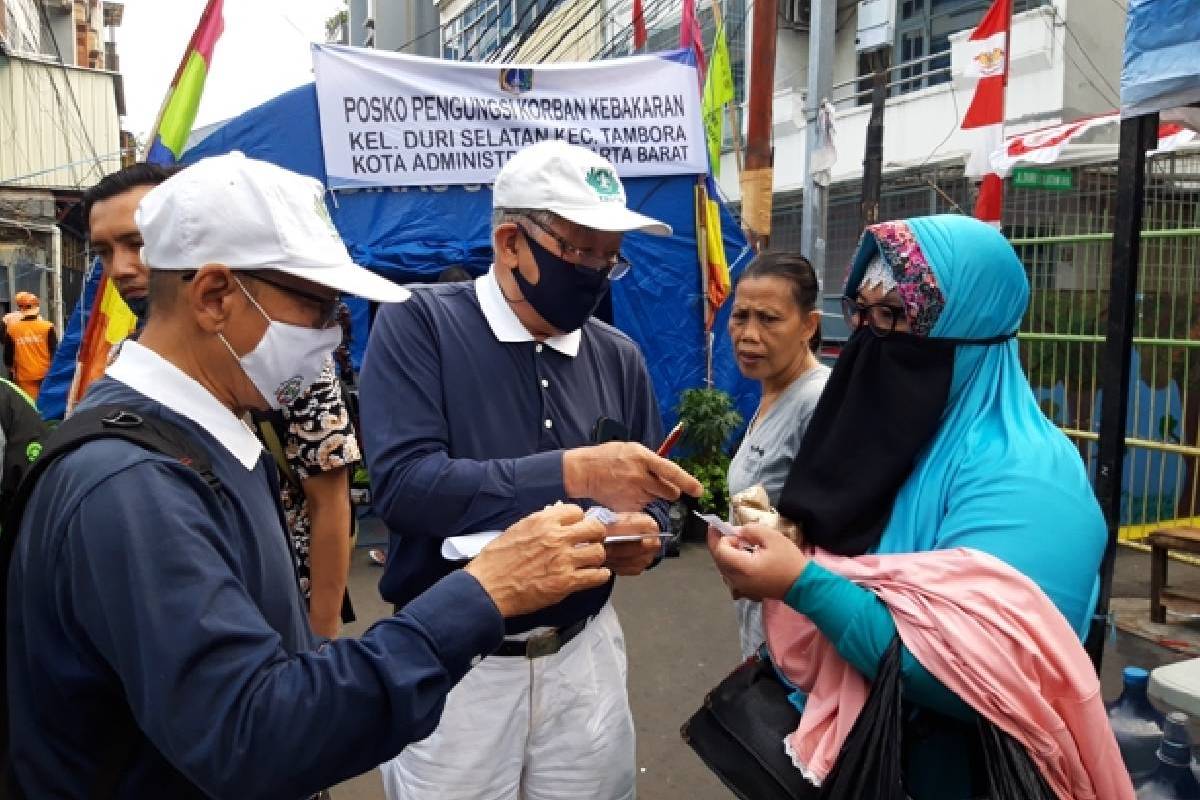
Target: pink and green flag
[[179, 107]]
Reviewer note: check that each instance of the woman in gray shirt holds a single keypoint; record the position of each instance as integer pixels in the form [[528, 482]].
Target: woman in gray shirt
[[775, 328]]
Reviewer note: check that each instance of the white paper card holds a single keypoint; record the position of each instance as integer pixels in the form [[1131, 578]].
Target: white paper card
[[462, 548]]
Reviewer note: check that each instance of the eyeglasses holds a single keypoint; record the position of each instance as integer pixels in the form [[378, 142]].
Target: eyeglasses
[[879, 317], [327, 306], [616, 265]]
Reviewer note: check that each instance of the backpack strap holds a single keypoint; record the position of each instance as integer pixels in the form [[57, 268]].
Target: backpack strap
[[88, 425], [268, 433]]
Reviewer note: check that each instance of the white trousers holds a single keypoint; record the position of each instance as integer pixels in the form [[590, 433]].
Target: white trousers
[[551, 728]]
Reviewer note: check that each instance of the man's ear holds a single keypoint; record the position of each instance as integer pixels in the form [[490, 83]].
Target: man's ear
[[211, 295], [504, 244]]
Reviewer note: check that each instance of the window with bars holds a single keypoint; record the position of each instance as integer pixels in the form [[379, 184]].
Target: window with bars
[[921, 56]]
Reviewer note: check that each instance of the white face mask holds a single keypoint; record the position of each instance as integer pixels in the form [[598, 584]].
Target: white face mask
[[287, 360]]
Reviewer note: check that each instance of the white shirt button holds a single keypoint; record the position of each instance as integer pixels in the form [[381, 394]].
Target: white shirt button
[[549, 423], [537, 348], [545, 383]]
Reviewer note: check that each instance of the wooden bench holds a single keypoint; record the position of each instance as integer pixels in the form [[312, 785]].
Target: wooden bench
[[1186, 540]]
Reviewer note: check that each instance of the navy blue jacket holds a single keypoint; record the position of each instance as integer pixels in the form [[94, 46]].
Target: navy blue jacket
[[135, 588], [454, 427]]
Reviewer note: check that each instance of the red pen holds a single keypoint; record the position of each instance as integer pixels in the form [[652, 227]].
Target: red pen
[[671, 440]]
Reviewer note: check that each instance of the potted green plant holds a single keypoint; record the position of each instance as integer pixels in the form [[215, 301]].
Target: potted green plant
[[709, 419]]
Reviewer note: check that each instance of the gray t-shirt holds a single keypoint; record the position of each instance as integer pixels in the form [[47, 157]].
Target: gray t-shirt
[[765, 457], [771, 442]]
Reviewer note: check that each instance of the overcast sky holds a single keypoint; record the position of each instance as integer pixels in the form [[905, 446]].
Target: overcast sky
[[263, 52]]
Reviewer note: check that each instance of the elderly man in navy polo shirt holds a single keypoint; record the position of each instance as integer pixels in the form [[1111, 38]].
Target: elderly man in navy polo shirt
[[481, 402], [158, 643]]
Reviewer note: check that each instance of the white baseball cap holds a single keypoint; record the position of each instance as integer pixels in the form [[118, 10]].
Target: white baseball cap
[[574, 183], [249, 214]]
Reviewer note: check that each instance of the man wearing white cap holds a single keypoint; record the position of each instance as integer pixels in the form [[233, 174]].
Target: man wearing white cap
[[158, 643], [484, 401]]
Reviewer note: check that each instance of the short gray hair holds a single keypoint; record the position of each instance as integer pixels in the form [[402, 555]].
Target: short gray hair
[[501, 216]]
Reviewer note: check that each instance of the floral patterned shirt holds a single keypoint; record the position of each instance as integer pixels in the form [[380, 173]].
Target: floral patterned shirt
[[320, 437]]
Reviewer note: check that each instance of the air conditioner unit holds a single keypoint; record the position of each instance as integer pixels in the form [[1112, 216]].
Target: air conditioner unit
[[795, 14], [876, 24]]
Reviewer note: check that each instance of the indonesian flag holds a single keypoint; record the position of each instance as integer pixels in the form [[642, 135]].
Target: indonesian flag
[[987, 60], [1046, 145]]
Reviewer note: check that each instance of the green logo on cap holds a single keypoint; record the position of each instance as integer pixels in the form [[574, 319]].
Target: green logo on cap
[[323, 213], [604, 182]]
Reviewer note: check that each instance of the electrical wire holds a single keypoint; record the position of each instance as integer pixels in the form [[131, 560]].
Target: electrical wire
[[1063, 43], [953, 129], [556, 46], [609, 49], [507, 37], [113, 156], [551, 6], [58, 114], [70, 90]]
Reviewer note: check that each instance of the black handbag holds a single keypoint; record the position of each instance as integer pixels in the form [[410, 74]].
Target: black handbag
[[739, 734], [739, 731]]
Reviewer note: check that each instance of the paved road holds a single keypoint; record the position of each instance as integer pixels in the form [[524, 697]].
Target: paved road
[[681, 640]]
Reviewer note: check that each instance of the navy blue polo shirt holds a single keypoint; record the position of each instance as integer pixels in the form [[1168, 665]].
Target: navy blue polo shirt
[[136, 588], [465, 420]]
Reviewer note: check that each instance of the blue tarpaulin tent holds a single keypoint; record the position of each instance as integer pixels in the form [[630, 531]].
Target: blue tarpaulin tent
[[1162, 56], [412, 234]]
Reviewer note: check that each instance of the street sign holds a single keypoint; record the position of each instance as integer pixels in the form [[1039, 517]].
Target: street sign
[[1054, 180]]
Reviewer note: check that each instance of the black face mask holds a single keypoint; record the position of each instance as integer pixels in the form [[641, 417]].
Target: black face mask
[[139, 306], [566, 294], [882, 405]]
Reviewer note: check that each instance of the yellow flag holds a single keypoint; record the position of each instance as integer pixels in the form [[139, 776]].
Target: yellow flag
[[718, 92]]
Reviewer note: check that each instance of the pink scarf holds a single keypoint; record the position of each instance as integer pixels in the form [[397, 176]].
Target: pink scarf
[[990, 635]]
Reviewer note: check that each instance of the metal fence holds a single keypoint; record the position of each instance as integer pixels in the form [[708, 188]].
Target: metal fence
[[1065, 241], [1062, 230]]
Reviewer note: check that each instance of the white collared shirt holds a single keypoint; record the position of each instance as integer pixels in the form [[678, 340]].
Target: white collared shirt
[[507, 326], [148, 373]]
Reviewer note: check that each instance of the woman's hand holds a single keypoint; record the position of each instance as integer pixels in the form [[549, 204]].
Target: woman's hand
[[758, 563]]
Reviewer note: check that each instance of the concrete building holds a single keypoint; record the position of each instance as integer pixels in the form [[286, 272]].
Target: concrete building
[[1065, 63], [538, 31], [61, 100], [405, 26]]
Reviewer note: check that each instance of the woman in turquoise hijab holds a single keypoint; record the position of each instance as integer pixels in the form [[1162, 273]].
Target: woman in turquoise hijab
[[929, 438]]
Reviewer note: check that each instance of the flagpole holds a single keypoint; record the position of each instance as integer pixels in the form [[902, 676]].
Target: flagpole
[[1004, 98], [701, 200], [734, 128]]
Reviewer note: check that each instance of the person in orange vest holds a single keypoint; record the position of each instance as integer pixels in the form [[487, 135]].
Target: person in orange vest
[[29, 345]]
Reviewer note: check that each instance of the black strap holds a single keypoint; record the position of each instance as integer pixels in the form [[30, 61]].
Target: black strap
[[535, 647], [88, 425]]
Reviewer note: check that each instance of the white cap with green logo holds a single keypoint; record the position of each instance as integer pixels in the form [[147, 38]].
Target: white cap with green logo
[[250, 214], [573, 182]]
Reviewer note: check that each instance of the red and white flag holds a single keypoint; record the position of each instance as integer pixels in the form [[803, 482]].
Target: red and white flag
[[987, 60], [1047, 145], [639, 26]]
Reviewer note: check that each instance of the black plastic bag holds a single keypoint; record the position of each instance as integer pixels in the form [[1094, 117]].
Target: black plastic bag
[[869, 764], [1011, 773]]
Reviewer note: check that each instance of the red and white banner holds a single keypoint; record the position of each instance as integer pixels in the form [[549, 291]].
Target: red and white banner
[[1046, 145], [987, 60]]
